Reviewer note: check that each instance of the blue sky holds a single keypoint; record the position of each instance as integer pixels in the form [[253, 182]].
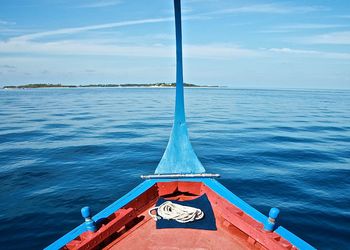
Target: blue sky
[[252, 44]]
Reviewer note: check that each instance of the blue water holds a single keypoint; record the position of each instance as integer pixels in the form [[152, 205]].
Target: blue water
[[61, 149]]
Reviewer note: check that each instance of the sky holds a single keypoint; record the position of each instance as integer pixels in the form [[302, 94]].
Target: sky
[[239, 44]]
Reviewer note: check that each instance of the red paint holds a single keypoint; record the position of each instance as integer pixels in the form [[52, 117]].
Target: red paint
[[132, 228]]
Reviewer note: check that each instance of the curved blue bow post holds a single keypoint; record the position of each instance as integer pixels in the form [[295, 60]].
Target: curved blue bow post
[[179, 156]]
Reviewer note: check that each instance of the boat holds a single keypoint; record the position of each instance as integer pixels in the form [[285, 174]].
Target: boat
[[215, 218]]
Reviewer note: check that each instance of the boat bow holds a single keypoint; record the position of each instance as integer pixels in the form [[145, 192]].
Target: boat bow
[[179, 156], [180, 176]]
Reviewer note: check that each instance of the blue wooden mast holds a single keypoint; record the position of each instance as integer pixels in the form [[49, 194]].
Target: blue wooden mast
[[179, 157]]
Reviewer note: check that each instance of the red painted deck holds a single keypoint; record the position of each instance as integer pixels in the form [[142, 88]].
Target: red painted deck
[[146, 237], [132, 228]]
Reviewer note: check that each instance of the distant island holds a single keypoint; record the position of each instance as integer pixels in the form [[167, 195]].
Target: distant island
[[132, 85]]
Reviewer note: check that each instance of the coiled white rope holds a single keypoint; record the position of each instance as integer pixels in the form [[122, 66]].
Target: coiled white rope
[[172, 211]]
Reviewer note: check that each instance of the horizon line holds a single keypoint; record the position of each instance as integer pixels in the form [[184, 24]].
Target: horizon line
[[204, 85]]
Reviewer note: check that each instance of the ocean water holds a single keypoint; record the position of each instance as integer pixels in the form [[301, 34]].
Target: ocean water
[[61, 149]]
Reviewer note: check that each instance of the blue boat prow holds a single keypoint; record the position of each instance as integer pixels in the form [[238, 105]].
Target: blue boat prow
[[179, 156], [179, 176]]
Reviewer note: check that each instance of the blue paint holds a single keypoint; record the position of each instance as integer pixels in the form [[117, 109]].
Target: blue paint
[[211, 183], [58, 244], [270, 223], [102, 214], [86, 212], [274, 212], [234, 199], [255, 214], [179, 156], [90, 224]]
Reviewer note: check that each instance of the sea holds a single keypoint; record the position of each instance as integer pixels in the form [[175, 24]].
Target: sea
[[62, 149]]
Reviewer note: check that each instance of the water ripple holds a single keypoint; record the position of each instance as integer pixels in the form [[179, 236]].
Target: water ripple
[[61, 149]]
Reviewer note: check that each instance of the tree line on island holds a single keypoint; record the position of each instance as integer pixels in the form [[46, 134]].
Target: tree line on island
[[126, 85]]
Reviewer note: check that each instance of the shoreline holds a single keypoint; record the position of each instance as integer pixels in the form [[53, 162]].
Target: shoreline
[[202, 87], [60, 86]]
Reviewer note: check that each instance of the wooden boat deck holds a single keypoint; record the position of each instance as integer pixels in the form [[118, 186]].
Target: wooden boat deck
[[132, 228], [146, 236]]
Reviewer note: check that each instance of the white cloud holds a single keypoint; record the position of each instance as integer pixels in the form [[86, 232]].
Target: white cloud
[[81, 47], [6, 66], [272, 8], [33, 44], [106, 48], [75, 30], [199, 51], [218, 51], [4, 22], [301, 26], [343, 16], [335, 38], [13, 32], [310, 53], [100, 4], [313, 26]]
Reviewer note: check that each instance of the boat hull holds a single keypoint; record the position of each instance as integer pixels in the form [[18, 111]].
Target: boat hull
[[126, 224]]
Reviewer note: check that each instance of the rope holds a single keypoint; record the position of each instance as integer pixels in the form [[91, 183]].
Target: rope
[[172, 211]]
